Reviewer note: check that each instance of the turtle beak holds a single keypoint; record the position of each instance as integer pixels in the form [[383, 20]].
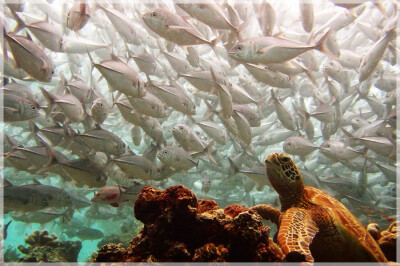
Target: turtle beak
[[271, 159]]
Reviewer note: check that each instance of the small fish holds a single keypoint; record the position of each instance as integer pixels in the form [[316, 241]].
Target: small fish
[[338, 150], [243, 127], [78, 16], [34, 197], [177, 158], [122, 24], [298, 146], [206, 183], [267, 49], [30, 57], [17, 108], [187, 138], [271, 78], [69, 104], [284, 116], [214, 131], [266, 17], [120, 77], [99, 110], [174, 28], [40, 217], [84, 171], [103, 140], [138, 167], [89, 234], [211, 14], [176, 98], [149, 105], [374, 55], [136, 135], [307, 15], [114, 195]]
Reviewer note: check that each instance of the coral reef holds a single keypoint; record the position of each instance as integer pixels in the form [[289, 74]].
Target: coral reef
[[45, 248], [178, 227], [123, 239]]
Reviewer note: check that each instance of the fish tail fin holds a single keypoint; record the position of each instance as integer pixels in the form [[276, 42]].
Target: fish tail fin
[[34, 129], [207, 152], [50, 99], [260, 101], [321, 45], [52, 159], [67, 215], [20, 23], [233, 167], [239, 29]]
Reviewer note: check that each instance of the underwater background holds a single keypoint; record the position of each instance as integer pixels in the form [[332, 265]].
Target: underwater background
[[103, 98]]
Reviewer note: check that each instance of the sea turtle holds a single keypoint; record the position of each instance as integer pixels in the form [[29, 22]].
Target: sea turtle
[[312, 225]]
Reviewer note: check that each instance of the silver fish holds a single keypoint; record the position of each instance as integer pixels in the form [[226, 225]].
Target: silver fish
[[267, 50], [99, 110], [85, 172], [138, 167], [30, 57], [34, 197], [103, 140], [17, 108], [78, 16], [69, 104], [174, 28]]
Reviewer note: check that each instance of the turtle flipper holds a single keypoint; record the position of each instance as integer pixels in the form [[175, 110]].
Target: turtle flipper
[[267, 212], [296, 232]]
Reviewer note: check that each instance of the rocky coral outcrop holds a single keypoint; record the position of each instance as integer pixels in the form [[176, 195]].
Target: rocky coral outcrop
[[43, 247], [178, 227]]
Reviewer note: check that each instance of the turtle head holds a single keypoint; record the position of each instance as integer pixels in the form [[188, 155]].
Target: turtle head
[[283, 174]]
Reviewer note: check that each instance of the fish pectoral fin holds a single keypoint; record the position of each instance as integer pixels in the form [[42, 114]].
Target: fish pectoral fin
[[13, 110], [174, 27], [263, 50]]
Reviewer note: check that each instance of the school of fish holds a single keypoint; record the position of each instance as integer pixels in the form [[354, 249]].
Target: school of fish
[[101, 98]]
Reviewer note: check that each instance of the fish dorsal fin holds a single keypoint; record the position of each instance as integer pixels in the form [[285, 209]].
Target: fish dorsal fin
[[116, 58], [36, 182], [28, 36]]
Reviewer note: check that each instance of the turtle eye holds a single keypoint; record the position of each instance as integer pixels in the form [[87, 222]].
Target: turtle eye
[[181, 127], [165, 152], [44, 200], [33, 107], [239, 47], [101, 105], [154, 14]]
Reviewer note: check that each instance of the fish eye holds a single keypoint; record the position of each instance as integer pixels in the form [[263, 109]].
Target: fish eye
[[33, 107], [154, 14], [239, 47], [101, 105], [181, 127], [44, 200], [52, 72]]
